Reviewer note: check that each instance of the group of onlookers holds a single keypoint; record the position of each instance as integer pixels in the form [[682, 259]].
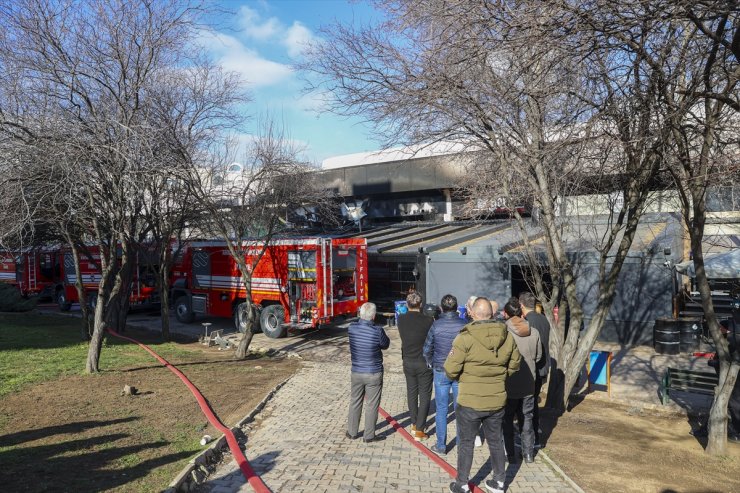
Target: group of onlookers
[[492, 363]]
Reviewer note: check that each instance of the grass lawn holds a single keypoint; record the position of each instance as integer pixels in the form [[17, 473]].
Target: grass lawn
[[36, 348], [62, 430]]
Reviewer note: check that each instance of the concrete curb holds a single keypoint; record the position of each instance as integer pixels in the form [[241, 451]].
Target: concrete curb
[[559, 471], [201, 466]]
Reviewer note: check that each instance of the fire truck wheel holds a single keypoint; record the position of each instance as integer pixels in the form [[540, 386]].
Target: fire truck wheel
[[240, 317], [271, 319], [183, 312], [64, 305]]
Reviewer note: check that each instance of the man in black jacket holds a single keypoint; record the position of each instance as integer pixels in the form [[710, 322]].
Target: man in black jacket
[[413, 327], [539, 322]]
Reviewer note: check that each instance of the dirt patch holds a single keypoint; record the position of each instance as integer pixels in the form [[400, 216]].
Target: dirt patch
[[78, 433], [604, 446]]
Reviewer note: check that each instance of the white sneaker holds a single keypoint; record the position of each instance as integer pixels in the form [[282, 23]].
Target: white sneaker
[[478, 441]]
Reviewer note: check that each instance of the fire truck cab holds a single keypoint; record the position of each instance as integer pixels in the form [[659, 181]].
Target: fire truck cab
[[32, 271], [296, 284]]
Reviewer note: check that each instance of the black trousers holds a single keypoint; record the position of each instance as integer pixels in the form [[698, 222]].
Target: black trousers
[[419, 380], [469, 421], [523, 409], [538, 382]]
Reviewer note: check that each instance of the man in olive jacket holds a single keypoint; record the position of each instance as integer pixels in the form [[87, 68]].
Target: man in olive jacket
[[483, 355]]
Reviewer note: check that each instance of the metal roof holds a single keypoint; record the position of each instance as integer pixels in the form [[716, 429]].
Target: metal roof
[[579, 233]]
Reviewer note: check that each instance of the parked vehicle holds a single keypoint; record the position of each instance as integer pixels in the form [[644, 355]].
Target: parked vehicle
[[143, 287], [32, 271], [297, 283]]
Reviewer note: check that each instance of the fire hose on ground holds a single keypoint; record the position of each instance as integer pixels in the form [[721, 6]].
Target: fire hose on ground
[[252, 478]]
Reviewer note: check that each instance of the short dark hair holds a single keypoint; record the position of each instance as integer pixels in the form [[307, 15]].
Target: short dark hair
[[528, 300], [413, 300], [513, 308], [448, 303]]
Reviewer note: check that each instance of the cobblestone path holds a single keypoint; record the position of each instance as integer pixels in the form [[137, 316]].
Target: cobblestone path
[[298, 445]]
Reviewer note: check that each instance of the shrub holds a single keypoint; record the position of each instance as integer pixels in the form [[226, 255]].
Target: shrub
[[12, 301]]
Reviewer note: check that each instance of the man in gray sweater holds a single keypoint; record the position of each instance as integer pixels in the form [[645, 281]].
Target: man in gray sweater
[[520, 387]]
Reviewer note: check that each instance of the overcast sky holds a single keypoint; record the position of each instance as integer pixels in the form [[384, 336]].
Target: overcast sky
[[260, 39]]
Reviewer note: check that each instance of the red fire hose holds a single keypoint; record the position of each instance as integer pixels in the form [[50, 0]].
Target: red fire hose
[[255, 481], [431, 455]]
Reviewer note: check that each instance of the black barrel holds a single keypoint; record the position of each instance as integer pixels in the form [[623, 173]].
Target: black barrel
[[690, 330], [666, 336]]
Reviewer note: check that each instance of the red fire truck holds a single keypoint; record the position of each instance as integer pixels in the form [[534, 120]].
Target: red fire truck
[[297, 284], [143, 286], [8, 270], [32, 271]]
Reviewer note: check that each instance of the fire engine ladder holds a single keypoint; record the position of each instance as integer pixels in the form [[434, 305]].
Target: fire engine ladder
[[31, 272], [328, 284]]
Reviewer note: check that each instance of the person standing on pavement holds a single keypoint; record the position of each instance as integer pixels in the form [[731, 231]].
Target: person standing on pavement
[[520, 386], [436, 348], [413, 327], [539, 322], [496, 311], [366, 342], [483, 356], [469, 308]]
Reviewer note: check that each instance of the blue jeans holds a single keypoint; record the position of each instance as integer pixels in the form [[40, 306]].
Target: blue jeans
[[442, 387]]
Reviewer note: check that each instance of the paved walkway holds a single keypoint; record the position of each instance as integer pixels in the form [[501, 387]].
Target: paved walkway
[[298, 444]]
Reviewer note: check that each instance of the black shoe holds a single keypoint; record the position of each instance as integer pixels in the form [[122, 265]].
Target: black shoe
[[348, 436], [528, 458], [376, 438], [437, 450], [456, 487], [494, 486]]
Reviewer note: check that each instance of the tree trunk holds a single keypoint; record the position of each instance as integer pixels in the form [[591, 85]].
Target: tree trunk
[[120, 296], [87, 319], [717, 439], [96, 340], [109, 278], [164, 302], [243, 349], [163, 285], [124, 304]]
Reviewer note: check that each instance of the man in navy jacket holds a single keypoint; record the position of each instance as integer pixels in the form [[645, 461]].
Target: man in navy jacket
[[436, 348], [366, 341]]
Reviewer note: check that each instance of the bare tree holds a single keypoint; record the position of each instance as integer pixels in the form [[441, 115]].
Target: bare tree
[[677, 62], [95, 77], [518, 84], [195, 107], [703, 111], [250, 205]]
